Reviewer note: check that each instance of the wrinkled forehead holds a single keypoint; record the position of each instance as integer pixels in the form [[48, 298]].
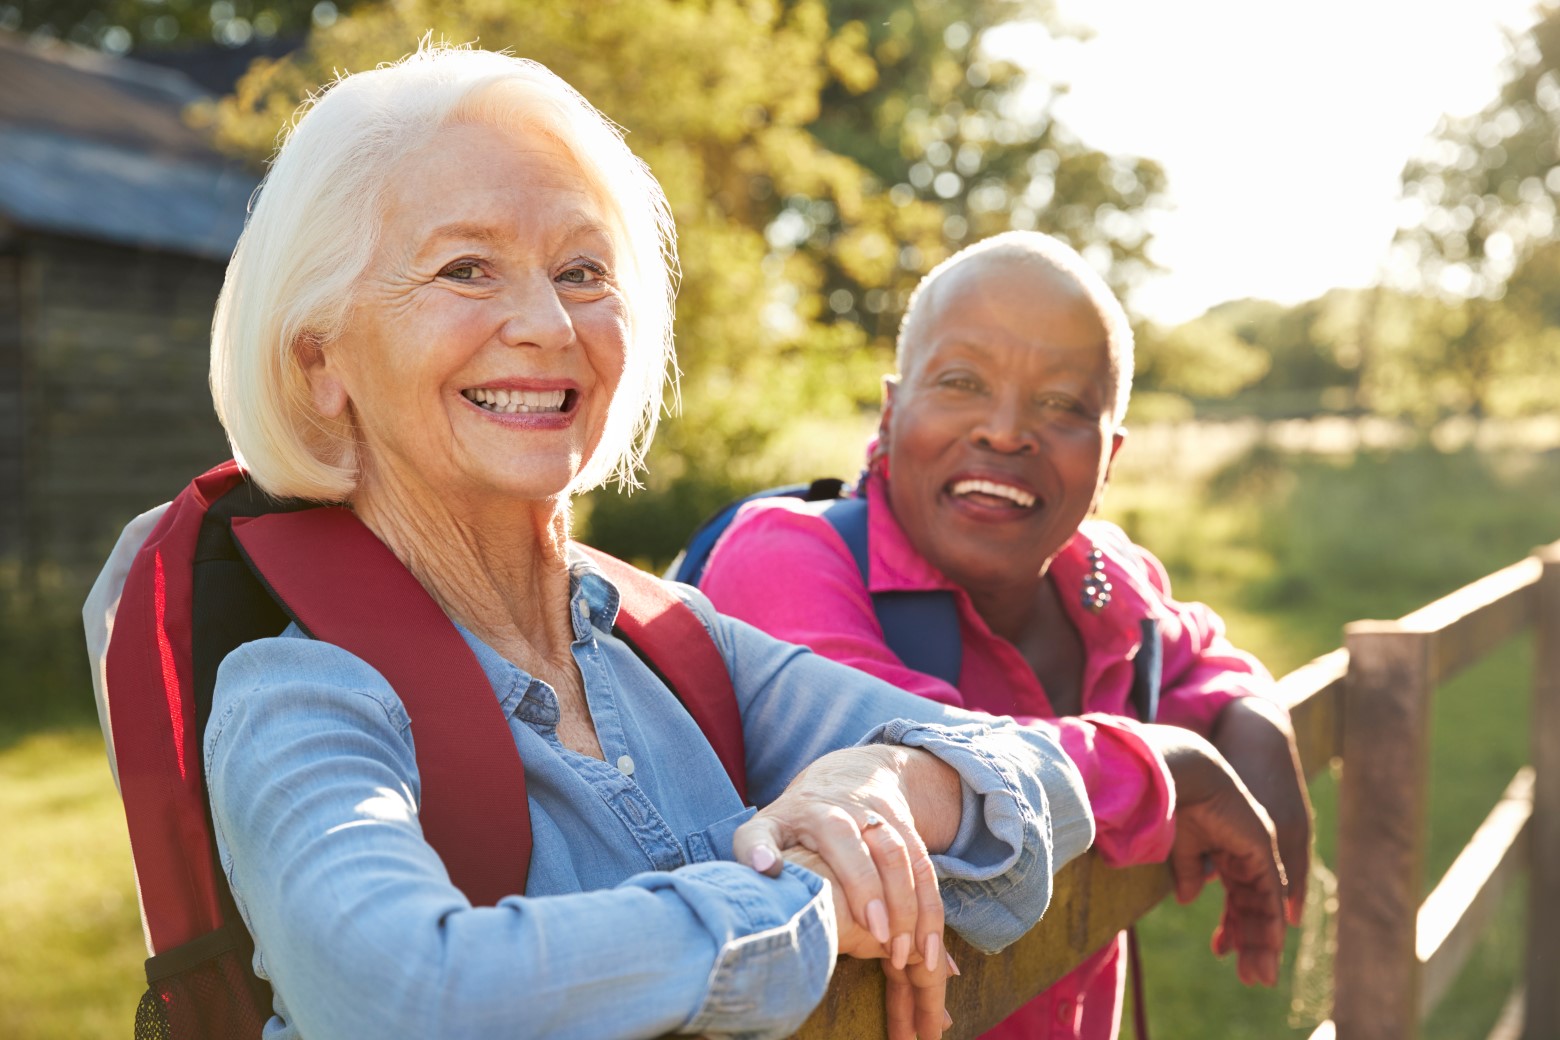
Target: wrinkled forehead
[[519, 115]]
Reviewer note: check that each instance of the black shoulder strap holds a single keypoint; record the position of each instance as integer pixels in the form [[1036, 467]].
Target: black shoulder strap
[[922, 627], [1146, 672]]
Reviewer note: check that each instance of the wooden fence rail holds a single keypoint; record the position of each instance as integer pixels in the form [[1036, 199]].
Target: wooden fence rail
[[1368, 705]]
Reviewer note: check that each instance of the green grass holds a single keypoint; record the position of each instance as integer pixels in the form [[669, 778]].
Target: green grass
[[1287, 549], [70, 933]]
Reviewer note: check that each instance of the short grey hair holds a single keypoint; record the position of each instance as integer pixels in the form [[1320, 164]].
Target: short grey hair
[[1060, 257], [315, 227]]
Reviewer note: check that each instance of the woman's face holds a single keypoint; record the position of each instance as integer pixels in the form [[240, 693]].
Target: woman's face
[[999, 433], [488, 335]]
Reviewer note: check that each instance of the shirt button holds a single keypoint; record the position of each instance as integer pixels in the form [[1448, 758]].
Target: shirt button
[[625, 765]]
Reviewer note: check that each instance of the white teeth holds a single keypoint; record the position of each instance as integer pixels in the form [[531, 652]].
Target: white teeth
[[512, 402], [988, 487]]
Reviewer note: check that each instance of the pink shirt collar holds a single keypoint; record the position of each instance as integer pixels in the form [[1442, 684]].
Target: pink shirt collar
[[894, 565]]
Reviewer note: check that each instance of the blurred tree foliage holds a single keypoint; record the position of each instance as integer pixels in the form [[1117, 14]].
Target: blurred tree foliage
[[1205, 358], [1479, 216], [923, 96], [780, 209], [1271, 359], [1470, 322], [120, 25]]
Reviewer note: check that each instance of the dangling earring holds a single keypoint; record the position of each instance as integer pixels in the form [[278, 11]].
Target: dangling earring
[[1095, 596]]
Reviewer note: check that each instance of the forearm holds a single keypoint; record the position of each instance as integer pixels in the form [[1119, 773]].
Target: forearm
[[1025, 814], [314, 797]]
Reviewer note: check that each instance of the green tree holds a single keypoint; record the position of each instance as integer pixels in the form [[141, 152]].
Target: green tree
[[1483, 191], [723, 98], [1481, 204], [923, 96], [1201, 359], [122, 25]]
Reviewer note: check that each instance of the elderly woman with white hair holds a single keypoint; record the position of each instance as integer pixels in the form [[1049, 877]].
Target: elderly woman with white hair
[[450, 312]]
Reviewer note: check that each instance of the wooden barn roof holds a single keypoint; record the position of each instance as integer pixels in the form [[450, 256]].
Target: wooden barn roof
[[94, 146]]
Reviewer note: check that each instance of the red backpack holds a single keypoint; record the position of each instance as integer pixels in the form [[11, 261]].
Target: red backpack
[[226, 565]]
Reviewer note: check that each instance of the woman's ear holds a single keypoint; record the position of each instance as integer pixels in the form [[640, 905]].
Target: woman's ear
[[326, 388], [1117, 438], [890, 387]]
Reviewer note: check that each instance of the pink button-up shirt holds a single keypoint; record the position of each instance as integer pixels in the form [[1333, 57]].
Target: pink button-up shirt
[[782, 567]]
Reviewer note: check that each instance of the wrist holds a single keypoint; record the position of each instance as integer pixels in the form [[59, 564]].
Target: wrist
[[1249, 720], [935, 794]]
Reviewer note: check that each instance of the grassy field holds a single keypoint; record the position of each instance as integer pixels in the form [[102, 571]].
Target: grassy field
[[1288, 548]]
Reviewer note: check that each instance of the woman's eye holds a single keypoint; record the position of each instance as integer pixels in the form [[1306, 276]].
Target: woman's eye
[[1060, 403], [464, 271], [582, 274]]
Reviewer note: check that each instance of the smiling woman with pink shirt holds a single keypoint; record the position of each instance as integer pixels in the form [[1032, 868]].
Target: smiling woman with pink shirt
[[995, 447]]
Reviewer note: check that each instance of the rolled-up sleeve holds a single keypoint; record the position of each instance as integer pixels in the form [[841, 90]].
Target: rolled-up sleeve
[[314, 794], [1025, 809], [1129, 785], [1203, 670]]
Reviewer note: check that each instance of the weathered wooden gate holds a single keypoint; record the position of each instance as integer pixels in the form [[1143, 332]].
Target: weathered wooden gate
[[1368, 705]]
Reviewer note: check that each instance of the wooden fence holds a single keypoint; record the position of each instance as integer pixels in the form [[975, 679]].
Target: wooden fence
[[1368, 705]]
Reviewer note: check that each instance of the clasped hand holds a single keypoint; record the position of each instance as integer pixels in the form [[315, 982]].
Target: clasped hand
[[852, 817]]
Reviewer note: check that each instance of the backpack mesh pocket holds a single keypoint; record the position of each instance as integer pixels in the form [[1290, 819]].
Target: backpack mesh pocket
[[204, 990]]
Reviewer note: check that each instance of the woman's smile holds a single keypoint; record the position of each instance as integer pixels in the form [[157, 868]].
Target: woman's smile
[[991, 498], [526, 404]]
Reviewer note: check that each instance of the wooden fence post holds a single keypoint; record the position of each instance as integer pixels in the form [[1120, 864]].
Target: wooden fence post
[[1381, 830], [1543, 947]]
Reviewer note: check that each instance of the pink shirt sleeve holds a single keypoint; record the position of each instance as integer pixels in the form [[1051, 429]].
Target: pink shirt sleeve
[[788, 572], [1203, 671]]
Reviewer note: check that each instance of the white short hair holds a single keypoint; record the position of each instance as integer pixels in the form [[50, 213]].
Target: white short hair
[[315, 226], [1060, 257]]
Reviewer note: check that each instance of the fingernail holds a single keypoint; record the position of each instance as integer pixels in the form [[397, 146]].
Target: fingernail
[[933, 948], [877, 921], [763, 859], [947, 1019], [900, 954], [953, 969]]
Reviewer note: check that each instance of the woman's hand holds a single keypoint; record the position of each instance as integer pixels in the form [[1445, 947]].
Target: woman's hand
[[872, 815], [1254, 735], [914, 994], [1220, 825]]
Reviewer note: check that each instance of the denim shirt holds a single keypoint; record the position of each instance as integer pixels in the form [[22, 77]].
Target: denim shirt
[[635, 921]]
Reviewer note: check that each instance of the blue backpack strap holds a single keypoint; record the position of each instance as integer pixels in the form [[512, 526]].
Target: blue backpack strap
[[1146, 672], [921, 628], [688, 567]]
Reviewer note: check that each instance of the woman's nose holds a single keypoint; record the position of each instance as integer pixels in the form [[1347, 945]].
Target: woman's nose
[[536, 316], [1005, 428]]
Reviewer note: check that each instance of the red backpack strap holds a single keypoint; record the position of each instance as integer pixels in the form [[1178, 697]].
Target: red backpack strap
[[344, 586], [675, 643], [153, 714]]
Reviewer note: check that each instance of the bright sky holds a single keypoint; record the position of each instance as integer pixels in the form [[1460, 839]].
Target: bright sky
[[1283, 127]]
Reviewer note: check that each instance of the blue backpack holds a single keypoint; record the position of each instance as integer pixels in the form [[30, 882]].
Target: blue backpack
[[921, 628]]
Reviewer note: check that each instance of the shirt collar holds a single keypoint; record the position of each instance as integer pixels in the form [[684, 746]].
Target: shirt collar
[[593, 599], [894, 565], [593, 604]]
